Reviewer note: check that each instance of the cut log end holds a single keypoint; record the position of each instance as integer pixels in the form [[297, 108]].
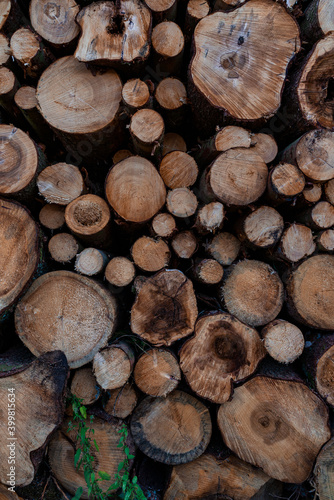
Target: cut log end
[[135, 93], [286, 180], [90, 262], [25, 98], [63, 247], [224, 247], [60, 183], [164, 225], [210, 217], [181, 202], [283, 341], [208, 272], [122, 401], [113, 366], [297, 243], [52, 216], [178, 170], [184, 244], [157, 372], [253, 292], [120, 271], [150, 254], [173, 142], [84, 386], [263, 227]]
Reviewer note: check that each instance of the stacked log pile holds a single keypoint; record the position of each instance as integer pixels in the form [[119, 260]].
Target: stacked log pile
[[167, 244]]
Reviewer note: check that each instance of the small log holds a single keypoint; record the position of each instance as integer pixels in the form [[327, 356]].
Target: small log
[[323, 471], [163, 225], [135, 95], [262, 228], [5, 51], [283, 341], [325, 241], [318, 366], [312, 193], [114, 32], [310, 296], [318, 20], [314, 91], [113, 365], [296, 243], [173, 142], [171, 97], [181, 202], [223, 49], [184, 428], [222, 350], [52, 216], [63, 247], [210, 218], [84, 386], [62, 448], [88, 217], [227, 138], [26, 101], [178, 170], [237, 177], [263, 424], [196, 10], [285, 181], [122, 401], [11, 17], [168, 48], [313, 153], [60, 183], [8, 88], [135, 190], [319, 216], [265, 146], [147, 128], [157, 372], [208, 272], [91, 130], [120, 155], [150, 254], [184, 244], [90, 262], [224, 247], [120, 272], [55, 21], [209, 476], [165, 308], [67, 311], [19, 253], [30, 54], [21, 162], [162, 10], [43, 381], [253, 292]]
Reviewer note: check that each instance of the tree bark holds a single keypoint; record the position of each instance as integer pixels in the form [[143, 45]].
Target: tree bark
[[179, 414], [318, 20], [222, 350], [165, 308], [65, 310]]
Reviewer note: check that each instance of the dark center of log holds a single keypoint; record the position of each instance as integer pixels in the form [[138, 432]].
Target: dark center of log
[[270, 426], [88, 217], [231, 350]]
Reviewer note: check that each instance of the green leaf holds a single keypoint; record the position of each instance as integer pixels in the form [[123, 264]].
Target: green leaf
[[83, 411], [134, 480], [96, 446], [130, 457], [127, 495], [92, 477], [120, 466], [77, 456], [87, 476], [104, 475], [127, 451], [78, 493]]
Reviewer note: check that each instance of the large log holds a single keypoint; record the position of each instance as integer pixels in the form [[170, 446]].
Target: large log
[[278, 425], [229, 46], [165, 309], [172, 430], [310, 292], [222, 350], [91, 129], [34, 397], [323, 472], [19, 254], [67, 311], [114, 32]]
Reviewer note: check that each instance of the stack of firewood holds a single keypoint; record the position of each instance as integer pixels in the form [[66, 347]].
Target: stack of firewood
[[166, 243]]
